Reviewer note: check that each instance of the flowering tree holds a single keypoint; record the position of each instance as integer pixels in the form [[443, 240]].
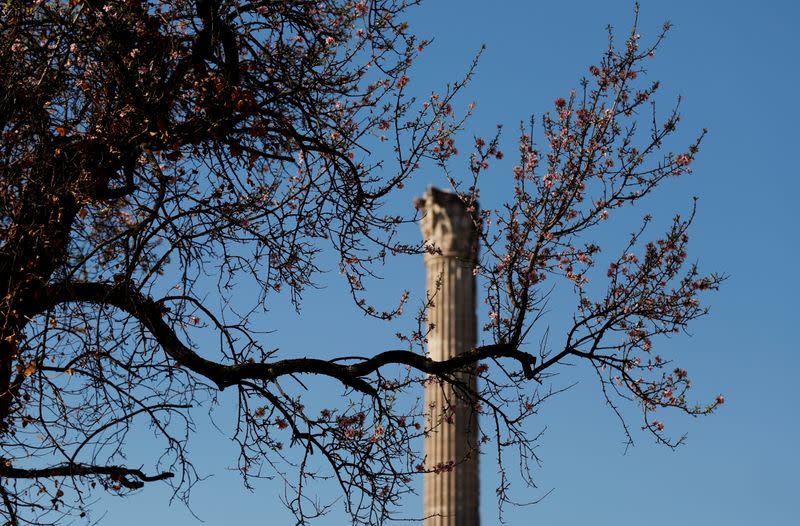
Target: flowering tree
[[161, 154]]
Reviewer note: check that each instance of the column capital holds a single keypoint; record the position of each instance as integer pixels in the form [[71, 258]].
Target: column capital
[[448, 225]]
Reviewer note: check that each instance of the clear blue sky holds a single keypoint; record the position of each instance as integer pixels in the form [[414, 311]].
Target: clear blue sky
[[736, 65]]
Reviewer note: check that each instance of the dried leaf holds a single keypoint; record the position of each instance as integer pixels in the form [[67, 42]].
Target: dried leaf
[[30, 369]]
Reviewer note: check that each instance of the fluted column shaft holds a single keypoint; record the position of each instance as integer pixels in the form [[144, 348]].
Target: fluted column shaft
[[451, 444]]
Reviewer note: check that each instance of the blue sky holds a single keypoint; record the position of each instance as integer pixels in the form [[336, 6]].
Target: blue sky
[[735, 65]]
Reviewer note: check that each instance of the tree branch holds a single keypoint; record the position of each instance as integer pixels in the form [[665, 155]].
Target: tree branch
[[117, 473], [149, 313]]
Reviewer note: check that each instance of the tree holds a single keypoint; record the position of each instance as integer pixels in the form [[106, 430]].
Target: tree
[[160, 155]]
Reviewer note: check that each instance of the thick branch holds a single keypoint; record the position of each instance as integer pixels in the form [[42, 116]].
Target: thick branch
[[444, 367], [120, 474], [150, 312]]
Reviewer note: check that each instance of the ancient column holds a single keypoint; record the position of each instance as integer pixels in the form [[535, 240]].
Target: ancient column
[[451, 443]]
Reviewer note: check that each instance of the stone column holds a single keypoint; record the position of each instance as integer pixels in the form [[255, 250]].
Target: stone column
[[451, 443]]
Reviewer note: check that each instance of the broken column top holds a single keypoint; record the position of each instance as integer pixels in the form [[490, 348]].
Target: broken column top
[[448, 225]]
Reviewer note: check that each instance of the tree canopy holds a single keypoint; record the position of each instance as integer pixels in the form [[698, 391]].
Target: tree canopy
[[158, 156]]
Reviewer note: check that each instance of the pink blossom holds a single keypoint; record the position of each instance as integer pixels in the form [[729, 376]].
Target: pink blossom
[[444, 467]]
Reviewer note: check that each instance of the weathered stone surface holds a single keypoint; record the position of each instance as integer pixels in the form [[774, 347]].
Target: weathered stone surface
[[451, 444], [448, 225]]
